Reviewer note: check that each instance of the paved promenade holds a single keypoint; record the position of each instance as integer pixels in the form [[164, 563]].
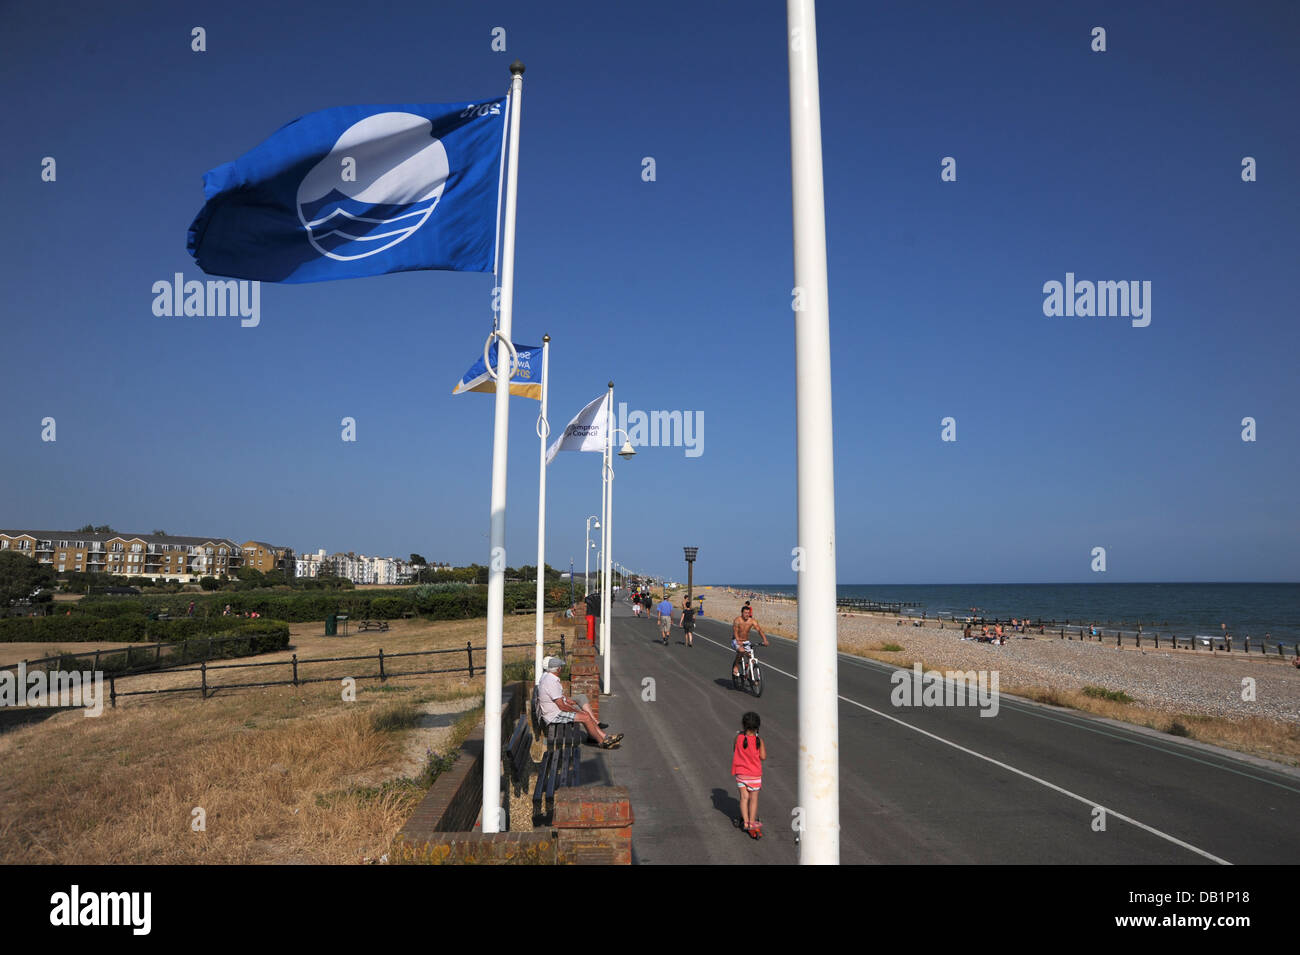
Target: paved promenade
[[920, 785]]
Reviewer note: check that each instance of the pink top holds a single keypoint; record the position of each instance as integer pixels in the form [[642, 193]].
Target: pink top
[[745, 761]]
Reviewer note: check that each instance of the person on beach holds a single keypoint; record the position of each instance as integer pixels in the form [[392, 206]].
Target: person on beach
[[554, 707], [688, 623], [740, 629], [747, 757], [665, 610]]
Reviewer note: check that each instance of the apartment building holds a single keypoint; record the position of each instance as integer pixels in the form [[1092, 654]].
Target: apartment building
[[357, 568], [266, 557], [156, 556]]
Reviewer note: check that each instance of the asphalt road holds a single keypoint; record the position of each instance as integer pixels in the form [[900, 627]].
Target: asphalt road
[[923, 784]]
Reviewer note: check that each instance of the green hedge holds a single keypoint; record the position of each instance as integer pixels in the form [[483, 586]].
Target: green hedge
[[131, 629], [434, 603]]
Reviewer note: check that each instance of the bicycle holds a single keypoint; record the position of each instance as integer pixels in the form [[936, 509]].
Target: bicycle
[[751, 675]]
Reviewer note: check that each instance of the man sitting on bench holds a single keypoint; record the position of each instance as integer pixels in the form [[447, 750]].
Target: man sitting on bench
[[555, 707]]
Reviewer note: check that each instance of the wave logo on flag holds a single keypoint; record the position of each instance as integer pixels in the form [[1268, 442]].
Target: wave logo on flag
[[355, 191], [525, 382], [399, 174]]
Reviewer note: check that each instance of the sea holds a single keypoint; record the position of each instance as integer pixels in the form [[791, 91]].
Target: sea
[[1248, 610]]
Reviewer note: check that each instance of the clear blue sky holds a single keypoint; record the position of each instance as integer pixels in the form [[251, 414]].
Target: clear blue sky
[[1071, 432]]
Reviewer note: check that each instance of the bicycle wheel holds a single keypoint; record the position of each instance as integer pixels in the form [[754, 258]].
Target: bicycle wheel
[[756, 681]]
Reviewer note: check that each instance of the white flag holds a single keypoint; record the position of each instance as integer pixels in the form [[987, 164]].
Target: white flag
[[586, 432]]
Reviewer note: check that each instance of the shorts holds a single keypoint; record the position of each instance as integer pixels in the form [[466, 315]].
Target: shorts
[[564, 716], [751, 783], [665, 624], [689, 626]]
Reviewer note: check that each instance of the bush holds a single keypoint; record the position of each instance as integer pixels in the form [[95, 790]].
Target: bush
[[131, 629], [208, 583], [1101, 693]]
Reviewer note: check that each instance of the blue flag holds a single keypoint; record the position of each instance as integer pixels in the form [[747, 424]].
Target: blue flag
[[526, 381], [355, 191]]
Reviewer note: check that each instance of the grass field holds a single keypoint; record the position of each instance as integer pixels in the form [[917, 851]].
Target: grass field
[[277, 775]]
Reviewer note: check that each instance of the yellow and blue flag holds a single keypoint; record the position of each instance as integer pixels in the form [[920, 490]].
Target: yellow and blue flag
[[526, 381]]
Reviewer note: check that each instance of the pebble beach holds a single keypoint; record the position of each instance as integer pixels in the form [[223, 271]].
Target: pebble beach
[[1173, 681]]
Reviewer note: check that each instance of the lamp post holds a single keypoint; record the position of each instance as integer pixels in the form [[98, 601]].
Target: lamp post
[[627, 452], [690, 570], [571, 597], [586, 559]]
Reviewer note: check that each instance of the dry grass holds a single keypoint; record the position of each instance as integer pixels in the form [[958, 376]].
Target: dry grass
[[284, 775]]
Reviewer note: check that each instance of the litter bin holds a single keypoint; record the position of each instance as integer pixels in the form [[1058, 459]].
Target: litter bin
[[331, 626]]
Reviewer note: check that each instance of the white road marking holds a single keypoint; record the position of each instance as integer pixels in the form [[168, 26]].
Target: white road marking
[[1090, 803]]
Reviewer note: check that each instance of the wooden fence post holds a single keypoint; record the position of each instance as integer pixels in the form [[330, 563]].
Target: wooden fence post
[[203, 670], [295, 669], [381, 665], [469, 649], [112, 691]]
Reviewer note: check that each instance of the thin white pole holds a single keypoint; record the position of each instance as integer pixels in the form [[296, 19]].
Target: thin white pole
[[497, 556], [543, 432], [605, 528], [819, 731], [607, 599]]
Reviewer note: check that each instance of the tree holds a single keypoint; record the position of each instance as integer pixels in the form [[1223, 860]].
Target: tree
[[417, 559], [208, 583], [21, 577], [158, 533]]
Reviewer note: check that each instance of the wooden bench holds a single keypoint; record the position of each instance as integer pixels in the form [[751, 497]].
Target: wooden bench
[[559, 767], [365, 625], [517, 755]]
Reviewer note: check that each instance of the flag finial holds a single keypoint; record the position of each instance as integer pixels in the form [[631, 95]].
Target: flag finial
[[517, 67]]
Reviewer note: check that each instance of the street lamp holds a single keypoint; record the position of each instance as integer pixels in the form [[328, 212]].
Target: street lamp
[[626, 452], [690, 570], [586, 559]]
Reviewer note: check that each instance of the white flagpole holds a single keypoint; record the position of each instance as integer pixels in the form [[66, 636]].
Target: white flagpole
[[497, 556], [544, 432], [819, 783], [604, 546], [607, 596]]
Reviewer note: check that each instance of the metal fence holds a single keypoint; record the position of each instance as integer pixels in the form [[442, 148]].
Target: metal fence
[[298, 679], [1141, 637]]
